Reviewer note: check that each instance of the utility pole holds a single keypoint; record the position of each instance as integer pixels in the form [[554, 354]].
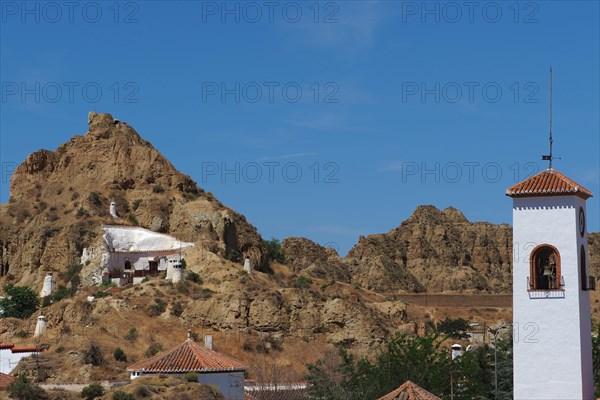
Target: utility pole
[[495, 332]]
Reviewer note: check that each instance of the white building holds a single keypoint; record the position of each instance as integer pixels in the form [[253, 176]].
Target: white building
[[131, 253], [212, 368], [10, 355], [551, 303]]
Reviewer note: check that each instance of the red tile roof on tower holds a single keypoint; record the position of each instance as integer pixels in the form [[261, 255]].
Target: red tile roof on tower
[[409, 391], [549, 182], [188, 356], [5, 380]]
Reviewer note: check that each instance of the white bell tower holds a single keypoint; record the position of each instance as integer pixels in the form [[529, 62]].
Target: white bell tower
[[551, 303]]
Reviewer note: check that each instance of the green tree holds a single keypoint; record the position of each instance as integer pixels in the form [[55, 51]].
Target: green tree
[[454, 328], [22, 389], [422, 360], [474, 374], [19, 301], [505, 368], [92, 391], [274, 250]]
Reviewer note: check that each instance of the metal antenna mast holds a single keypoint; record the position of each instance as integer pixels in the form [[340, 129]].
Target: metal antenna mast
[[549, 157]]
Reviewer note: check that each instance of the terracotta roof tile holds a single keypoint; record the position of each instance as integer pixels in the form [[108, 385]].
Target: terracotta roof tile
[[5, 380], [6, 346], [26, 349], [549, 182], [187, 357], [409, 391]]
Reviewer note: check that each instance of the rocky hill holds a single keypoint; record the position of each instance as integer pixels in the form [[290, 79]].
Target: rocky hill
[[285, 313], [436, 251], [59, 199]]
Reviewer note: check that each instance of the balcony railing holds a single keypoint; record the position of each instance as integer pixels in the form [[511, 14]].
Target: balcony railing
[[545, 283]]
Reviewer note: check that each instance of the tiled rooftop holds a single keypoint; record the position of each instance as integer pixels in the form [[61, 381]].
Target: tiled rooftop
[[409, 391], [5, 380], [187, 357], [549, 182], [20, 349], [26, 349]]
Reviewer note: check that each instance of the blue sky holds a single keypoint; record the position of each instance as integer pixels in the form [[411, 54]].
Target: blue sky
[[327, 120]]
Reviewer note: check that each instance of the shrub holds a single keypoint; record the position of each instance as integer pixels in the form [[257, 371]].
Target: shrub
[[177, 309], [93, 355], [191, 377], [19, 301], [153, 349], [121, 395], [157, 308], [233, 255], [132, 335], [94, 198], [274, 250], [194, 277], [119, 354], [142, 391], [81, 212], [92, 391], [136, 203], [133, 219], [60, 293], [302, 282], [22, 389], [157, 189], [25, 214], [247, 345], [71, 275]]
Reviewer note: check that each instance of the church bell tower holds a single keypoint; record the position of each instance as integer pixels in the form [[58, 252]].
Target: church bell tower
[[551, 303]]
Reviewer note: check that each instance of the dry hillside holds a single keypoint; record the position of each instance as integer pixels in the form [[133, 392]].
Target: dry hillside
[[283, 315]]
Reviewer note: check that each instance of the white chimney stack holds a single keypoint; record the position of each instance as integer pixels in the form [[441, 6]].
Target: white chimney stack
[[40, 327], [48, 285], [177, 274], [456, 351], [247, 265], [208, 342]]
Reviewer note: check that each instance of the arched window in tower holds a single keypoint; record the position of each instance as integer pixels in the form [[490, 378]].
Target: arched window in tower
[[127, 265], [583, 269], [545, 268]]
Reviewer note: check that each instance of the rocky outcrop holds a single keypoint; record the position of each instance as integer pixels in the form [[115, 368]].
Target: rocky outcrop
[[59, 199], [306, 257], [296, 312], [442, 250]]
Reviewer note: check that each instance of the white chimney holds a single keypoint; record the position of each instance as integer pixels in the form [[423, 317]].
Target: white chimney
[[208, 342], [177, 274], [247, 265], [456, 350], [48, 285], [40, 327]]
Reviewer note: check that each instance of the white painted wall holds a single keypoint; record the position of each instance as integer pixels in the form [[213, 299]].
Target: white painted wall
[[552, 336], [230, 384], [9, 360]]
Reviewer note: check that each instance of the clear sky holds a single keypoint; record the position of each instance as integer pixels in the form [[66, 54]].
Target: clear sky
[[327, 120]]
